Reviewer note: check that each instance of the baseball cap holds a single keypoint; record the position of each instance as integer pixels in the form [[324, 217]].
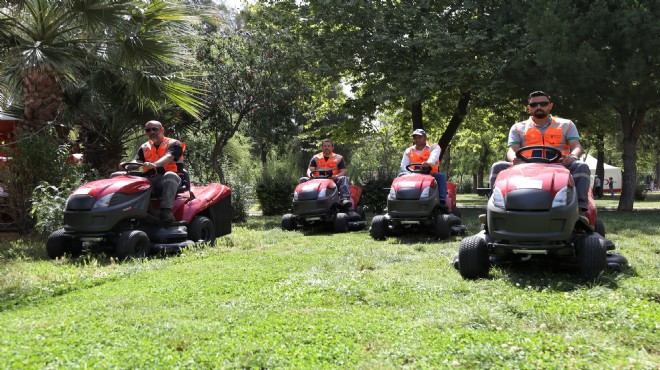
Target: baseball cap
[[419, 131]]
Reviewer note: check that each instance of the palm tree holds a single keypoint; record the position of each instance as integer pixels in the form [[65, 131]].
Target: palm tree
[[46, 46]]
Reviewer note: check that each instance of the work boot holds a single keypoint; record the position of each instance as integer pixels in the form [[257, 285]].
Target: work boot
[[346, 203], [166, 216]]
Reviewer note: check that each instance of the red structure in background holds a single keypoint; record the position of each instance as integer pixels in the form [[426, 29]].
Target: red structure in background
[[7, 126]]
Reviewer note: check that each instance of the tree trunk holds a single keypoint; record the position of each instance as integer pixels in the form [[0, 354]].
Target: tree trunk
[[600, 165], [455, 122], [657, 173], [42, 98], [632, 124], [417, 115]]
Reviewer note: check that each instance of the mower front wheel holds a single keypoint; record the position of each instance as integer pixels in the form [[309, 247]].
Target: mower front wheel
[[379, 227], [600, 227], [592, 257], [132, 243], [473, 261], [340, 224], [201, 228], [288, 222], [59, 244], [442, 227]]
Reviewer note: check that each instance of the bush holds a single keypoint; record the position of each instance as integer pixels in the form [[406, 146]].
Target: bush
[[640, 194], [35, 158], [274, 190], [374, 190], [238, 202]]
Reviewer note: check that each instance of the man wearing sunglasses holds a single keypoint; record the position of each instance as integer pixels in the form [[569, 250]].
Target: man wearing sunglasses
[[541, 128], [162, 160]]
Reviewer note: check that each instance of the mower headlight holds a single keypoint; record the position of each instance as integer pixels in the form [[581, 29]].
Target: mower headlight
[[425, 193], [562, 197], [103, 202], [322, 193], [497, 198], [392, 193], [295, 195]]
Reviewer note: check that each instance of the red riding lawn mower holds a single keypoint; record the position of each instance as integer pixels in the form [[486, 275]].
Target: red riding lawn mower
[[414, 202], [316, 203], [118, 215], [533, 212]]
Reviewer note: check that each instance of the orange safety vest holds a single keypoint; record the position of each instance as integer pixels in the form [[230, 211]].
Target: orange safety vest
[[331, 164], [152, 154], [416, 158], [554, 136]]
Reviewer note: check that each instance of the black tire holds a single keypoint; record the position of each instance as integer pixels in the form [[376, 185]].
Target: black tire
[[473, 261], [360, 211], [600, 227], [442, 226], [59, 244], [378, 229], [288, 222], [201, 228], [340, 224], [592, 257], [132, 243]]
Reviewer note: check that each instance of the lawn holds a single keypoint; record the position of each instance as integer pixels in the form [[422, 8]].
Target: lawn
[[265, 298]]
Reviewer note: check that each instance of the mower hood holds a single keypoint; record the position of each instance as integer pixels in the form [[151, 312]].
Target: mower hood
[[118, 184], [547, 177]]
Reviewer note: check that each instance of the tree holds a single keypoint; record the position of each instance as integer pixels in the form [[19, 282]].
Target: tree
[[250, 81], [402, 53], [607, 54], [48, 46]]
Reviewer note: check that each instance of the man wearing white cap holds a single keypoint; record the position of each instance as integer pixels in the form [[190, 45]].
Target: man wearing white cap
[[429, 156]]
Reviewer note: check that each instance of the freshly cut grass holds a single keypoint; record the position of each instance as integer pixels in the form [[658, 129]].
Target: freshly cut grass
[[265, 298]]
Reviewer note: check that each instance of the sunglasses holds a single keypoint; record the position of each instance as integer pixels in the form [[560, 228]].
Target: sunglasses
[[151, 129], [543, 104]]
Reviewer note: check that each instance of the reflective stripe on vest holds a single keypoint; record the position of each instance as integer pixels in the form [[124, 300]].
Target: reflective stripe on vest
[[331, 164], [416, 158], [554, 136], [153, 154]]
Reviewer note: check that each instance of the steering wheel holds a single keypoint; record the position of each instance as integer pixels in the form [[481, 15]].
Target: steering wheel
[[126, 165], [555, 154], [417, 168], [321, 174]]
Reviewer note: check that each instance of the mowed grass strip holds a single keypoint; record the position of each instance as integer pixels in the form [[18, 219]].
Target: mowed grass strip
[[264, 298]]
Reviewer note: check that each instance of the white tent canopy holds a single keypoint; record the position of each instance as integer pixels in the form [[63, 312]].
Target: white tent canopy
[[610, 171]]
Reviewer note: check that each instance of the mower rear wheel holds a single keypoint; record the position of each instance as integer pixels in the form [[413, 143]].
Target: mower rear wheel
[[132, 243], [442, 227], [600, 227], [59, 244], [378, 229], [201, 228], [340, 224], [473, 261], [288, 222], [592, 257]]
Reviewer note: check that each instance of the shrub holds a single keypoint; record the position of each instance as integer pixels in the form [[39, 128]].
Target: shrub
[[374, 189], [35, 158], [238, 201], [640, 194], [274, 190]]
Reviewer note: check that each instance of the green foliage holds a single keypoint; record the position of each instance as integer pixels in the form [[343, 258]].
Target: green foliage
[[274, 188], [36, 157], [375, 189]]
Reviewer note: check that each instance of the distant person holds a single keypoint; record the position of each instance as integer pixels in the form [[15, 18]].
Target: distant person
[[541, 128], [611, 185], [428, 155], [598, 190], [329, 160]]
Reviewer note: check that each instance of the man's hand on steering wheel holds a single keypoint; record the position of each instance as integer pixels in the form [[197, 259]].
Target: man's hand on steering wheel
[[426, 168]]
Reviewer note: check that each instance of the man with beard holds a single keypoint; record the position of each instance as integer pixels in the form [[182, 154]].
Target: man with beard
[[541, 128]]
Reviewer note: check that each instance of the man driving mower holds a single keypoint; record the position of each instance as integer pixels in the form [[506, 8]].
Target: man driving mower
[[429, 156], [328, 160], [162, 160]]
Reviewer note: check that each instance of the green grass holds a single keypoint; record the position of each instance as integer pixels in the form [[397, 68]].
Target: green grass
[[264, 298]]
